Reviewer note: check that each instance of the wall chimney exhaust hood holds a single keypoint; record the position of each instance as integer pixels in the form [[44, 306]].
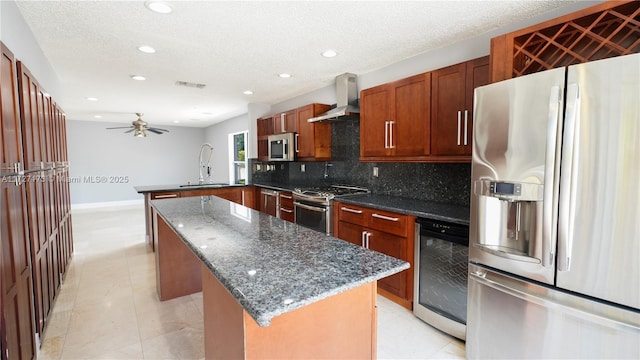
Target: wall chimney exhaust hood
[[346, 99]]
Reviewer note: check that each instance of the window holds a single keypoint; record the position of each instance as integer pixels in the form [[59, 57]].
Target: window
[[237, 157]]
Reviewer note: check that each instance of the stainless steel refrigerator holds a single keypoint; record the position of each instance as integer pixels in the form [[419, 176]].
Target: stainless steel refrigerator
[[554, 247]]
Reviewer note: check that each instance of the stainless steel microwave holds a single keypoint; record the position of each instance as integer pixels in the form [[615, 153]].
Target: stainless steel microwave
[[282, 147]]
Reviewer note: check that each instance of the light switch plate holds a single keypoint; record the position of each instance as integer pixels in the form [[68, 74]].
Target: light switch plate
[[303, 168], [375, 171]]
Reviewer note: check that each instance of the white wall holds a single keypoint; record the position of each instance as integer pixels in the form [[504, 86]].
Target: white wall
[[170, 158], [218, 136], [17, 36], [452, 54]]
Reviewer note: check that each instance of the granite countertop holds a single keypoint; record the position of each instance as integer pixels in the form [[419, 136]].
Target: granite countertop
[[269, 265], [433, 210], [429, 209], [181, 187]]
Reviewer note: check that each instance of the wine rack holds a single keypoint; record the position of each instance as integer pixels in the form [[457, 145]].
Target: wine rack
[[602, 31]]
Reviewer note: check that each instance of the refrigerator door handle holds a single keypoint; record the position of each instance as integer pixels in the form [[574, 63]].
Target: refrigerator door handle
[[550, 201], [569, 177]]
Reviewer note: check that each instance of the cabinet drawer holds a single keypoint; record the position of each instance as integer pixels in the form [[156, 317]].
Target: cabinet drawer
[[165, 195], [286, 199], [352, 214], [389, 222]]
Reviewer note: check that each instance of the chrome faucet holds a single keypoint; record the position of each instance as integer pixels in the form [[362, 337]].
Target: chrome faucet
[[206, 166]]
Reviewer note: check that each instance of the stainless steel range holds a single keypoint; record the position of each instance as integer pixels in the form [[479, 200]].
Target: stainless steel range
[[314, 205]]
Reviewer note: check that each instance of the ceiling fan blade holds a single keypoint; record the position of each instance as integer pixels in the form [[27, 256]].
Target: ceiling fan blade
[[128, 131], [155, 131], [120, 127], [158, 129]]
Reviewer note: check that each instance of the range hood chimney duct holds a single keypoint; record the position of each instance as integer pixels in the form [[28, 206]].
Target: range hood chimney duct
[[346, 99]]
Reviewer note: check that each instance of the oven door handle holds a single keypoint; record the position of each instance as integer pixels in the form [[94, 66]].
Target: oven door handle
[[312, 208]]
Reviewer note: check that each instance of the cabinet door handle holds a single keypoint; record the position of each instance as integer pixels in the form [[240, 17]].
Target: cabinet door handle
[[384, 217], [242, 197], [362, 238], [368, 238], [351, 210], [297, 150], [391, 123], [286, 210], [459, 127], [386, 134], [466, 120], [286, 196], [282, 125], [166, 196]]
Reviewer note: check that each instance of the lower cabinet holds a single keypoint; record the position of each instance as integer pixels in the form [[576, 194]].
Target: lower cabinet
[[286, 206], [386, 232]]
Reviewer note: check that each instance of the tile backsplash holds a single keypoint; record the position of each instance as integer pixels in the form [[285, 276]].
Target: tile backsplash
[[448, 183]]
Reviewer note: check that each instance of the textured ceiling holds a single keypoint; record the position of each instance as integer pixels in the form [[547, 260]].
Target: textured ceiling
[[232, 46]]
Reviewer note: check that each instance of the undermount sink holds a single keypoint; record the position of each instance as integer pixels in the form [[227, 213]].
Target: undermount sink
[[206, 185]]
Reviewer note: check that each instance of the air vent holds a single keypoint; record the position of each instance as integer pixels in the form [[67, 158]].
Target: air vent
[[190, 84]]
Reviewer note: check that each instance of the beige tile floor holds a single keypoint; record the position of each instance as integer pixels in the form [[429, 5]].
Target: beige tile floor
[[108, 309]]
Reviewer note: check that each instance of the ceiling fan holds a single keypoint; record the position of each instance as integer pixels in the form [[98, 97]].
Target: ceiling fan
[[139, 128]]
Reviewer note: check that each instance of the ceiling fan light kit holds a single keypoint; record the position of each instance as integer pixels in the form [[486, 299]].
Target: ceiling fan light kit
[[140, 127]]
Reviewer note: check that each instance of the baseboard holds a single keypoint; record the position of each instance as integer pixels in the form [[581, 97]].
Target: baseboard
[[107, 204]]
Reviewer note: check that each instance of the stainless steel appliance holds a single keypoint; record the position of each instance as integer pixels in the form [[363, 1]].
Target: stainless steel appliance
[[555, 214], [282, 147], [314, 206], [346, 100], [440, 287]]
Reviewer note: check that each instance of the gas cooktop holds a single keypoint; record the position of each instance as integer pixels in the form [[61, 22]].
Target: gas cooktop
[[329, 192]]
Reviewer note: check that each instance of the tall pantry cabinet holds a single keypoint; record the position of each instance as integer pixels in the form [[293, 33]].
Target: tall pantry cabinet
[[36, 241]]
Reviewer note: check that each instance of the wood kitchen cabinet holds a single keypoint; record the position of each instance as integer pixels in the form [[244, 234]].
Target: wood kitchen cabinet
[[286, 122], [314, 139], [265, 128], [386, 232], [395, 120], [286, 210], [17, 320], [452, 107]]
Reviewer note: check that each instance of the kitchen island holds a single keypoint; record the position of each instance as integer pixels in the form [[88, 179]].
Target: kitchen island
[[271, 289]]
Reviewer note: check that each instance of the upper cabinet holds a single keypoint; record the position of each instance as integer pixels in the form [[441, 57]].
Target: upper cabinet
[[394, 120], [452, 106], [314, 139], [286, 122], [265, 128], [597, 32], [423, 118]]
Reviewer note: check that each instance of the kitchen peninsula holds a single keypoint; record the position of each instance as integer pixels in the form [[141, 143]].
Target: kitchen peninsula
[[271, 289]]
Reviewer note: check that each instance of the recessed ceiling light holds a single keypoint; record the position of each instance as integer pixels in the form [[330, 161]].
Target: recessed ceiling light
[[160, 7], [98, 116], [146, 49], [248, 92], [329, 53], [176, 121], [138, 77], [92, 99], [284, 75]]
